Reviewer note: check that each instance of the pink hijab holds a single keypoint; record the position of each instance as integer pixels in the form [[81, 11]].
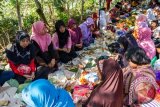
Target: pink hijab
[[42, 40], [144, 41], [141, 18]]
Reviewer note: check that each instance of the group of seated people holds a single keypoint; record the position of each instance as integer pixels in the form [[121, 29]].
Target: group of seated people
[[34, 57], [132, 86]]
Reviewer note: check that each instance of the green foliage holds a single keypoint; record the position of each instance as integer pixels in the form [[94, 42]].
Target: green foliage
[[28, 21], [89, 4], [63, 16], [7, 30], [53, 10]]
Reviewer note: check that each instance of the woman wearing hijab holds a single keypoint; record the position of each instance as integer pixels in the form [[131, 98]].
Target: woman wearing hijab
[[41, 93], [145, 42], [150, 15], [62, 42], [46, 57], [76, 34], [139, 79], [87, 27], [21, 58], [141, 21], [141, 18], [109, 93]]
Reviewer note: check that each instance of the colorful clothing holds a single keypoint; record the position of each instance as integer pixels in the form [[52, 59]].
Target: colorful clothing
[[36, 96], [42, 43], [43, 40], [76, 34], [145, 42], [63, 40], [86, 32], [134, 77], [150, 15], [113, 15], [147, 85], [21, 60], [141, 18], [55, 41]]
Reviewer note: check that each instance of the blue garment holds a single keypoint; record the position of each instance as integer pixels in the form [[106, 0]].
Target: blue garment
[[41, 93], [5, 75]]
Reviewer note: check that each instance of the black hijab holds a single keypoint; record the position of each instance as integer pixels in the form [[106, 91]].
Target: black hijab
[[63, 37], [17, 54]]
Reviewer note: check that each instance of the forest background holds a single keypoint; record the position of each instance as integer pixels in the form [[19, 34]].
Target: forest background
[[21, 14]]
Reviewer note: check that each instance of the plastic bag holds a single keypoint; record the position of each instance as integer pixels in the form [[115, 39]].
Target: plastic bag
[[58, 78], [81, 93]]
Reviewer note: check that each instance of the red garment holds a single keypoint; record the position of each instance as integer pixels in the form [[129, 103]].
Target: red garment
[[108, 4], [113, 13], [94, 16], [15, 67]]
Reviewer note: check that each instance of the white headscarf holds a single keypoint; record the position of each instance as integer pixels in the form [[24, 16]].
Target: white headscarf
[[150, 15], [103, 21]]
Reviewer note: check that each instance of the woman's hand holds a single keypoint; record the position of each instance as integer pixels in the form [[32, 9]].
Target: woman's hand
[[79, 45], [33, 75], [99, 72], [28, 77], [52, 63], [65, 50]]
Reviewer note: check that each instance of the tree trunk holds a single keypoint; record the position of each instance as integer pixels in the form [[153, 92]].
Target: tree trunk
[[19, 15], [40, 11], [68, 9], [104, 3], [50, 10], [82, 10]]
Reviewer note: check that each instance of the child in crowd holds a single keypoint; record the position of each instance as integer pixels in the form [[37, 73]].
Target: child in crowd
[[155, 29]]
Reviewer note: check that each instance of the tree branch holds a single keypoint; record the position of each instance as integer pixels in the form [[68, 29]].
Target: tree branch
[[40, 11]]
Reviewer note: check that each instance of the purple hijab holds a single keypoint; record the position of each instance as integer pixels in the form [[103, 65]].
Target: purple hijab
[[86, 32], [76, 34]]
